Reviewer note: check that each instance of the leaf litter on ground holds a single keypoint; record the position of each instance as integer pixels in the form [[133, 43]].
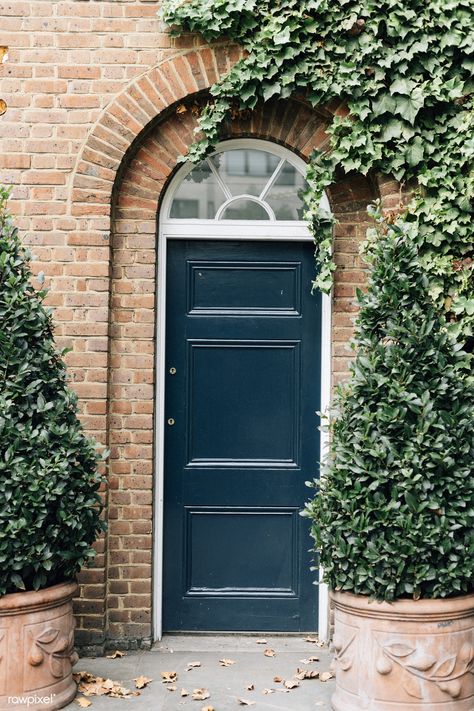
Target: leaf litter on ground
[[91, 685]]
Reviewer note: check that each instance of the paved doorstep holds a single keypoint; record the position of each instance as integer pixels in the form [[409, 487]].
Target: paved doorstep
[[225, 684]]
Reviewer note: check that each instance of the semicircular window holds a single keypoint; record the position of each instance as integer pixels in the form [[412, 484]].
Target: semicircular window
[[241, 184]]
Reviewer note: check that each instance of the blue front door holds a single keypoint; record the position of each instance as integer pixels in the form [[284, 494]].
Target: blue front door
[[241, 438]]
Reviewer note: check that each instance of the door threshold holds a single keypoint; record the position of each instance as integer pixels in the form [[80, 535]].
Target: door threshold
[[233, 642], [218, 633]]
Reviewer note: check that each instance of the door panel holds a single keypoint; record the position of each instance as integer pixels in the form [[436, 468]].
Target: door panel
[[237, 415], [207, 561], [242, 392]]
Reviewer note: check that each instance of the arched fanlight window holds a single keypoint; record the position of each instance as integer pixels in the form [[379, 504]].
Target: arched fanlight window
[[241, 184]]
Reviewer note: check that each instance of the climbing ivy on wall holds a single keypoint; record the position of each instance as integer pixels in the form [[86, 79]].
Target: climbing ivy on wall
[[404, 68]]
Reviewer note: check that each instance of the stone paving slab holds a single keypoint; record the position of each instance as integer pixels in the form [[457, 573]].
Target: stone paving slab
[[225, 684]]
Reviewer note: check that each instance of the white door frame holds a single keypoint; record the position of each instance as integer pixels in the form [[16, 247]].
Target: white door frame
[[288, 231]]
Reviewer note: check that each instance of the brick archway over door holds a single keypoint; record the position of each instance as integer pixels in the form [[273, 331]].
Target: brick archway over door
[[120, 178]]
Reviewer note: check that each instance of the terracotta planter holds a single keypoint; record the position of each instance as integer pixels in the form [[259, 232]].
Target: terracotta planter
[[37, 649], [405, 656]]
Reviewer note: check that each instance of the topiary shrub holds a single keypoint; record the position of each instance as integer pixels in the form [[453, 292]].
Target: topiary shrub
[[394, 516], [49, 501]]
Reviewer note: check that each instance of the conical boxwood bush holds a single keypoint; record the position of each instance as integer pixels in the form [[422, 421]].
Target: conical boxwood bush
[[49, 481], [394, 514]]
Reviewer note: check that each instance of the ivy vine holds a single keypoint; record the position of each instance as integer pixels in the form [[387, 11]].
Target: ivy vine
[[405, 71]]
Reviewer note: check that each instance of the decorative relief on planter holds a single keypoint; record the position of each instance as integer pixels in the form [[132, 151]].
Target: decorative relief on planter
[[3, 656], [49, 651], [344, 651], [446, 671], [55, 649], [345, 654]]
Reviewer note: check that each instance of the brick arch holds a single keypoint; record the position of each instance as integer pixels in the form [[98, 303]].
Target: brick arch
[[148, 99]]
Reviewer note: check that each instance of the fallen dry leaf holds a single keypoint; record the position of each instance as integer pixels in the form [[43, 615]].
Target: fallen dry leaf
[[270, 653], [268, 691], [82, 702], [120, 692], [200, 694], [291, 684], [306, 674], [207, 708], [83, 676], [244, 702], [309, 660], [277, 679], [226, 662], [116, 655], [311, 640], [261, 641], [142, 681], [181, 109], [184, 692], [171, 688], [325, 676], [250, 687], [193, 665], [169, 677]]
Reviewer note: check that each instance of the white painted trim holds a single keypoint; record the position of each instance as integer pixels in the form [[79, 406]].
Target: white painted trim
[[244, 196], [236, 229], [326, 355], [222, 185], [159, 443], [273, 179], [229, 230]]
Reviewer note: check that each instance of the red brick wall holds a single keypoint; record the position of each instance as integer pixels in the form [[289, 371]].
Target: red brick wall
[[89, 141]]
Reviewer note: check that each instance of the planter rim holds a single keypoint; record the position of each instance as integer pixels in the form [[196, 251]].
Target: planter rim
[[431, 609], [31, 600]]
